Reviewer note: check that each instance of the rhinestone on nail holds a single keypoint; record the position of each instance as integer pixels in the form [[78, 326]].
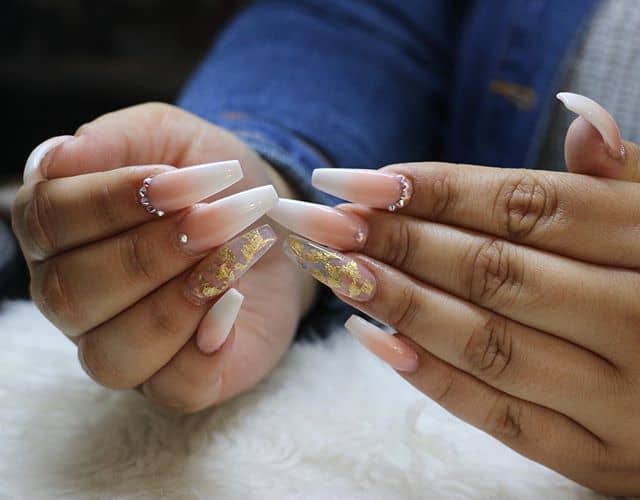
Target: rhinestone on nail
[[406, 191], [360, 236], [144, 199], [183, 238]]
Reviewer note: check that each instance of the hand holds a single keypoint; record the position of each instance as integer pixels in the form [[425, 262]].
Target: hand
[[515, 293], [112, 276]]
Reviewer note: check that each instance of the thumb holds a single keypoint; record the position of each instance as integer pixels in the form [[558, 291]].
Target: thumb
[[593, 145]]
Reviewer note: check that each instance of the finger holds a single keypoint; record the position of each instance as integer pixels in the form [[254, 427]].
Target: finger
[[128, 349], [530, 286], [577, 216], [507, 355], [593, 144], [53, 216], [538, 433], [137, 262]]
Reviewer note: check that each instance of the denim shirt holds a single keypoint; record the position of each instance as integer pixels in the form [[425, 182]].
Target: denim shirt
[[364, 83]]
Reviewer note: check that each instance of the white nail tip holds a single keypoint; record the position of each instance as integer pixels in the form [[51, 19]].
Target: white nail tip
[[218, 322], [596, 115], [32, 171]]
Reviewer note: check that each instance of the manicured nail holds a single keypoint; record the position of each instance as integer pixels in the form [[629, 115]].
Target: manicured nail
[[217, 323], [35, 170], [597, 116], [388, 348], [180, 188], [228, 263], [367, 187], [322, 224], [338, 271], [210, 225]]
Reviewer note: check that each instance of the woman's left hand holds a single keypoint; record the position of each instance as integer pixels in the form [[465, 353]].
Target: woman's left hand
[[519, 292]]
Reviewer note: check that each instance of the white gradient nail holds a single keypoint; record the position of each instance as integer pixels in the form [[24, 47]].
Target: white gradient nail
[[320, 223], [597, 116], [35, 169], [182, 187], [387, 347], [212, 224], [218, 322]]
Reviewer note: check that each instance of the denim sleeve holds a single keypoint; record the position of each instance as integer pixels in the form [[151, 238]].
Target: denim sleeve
[[341, 83]]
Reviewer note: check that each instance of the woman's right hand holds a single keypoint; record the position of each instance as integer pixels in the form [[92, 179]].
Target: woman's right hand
[[130, 288]]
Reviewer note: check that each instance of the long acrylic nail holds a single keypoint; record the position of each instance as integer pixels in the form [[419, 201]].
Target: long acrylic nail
[[217, 323], [210, 225], [325, 225], [336, 270], [182, 187], [368, 187], [35, 170], [387, 347], [228, 263], [597, 116]]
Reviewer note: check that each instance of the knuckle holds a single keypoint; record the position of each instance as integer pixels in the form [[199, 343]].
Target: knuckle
[[51, 291], [447, 387], [98, 366], [399, 246], [527, 205], [104, 204], [37, 224], [137, 257], [488, 352], [404, 312], [163, 320], [442, 194], [495, 277], [504, 418]]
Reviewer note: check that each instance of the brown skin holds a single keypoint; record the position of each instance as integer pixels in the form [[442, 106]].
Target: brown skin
[[84, 237]]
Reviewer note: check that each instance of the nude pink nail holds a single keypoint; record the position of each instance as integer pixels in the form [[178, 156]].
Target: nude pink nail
[[367, 187], [322, 224], [216, 273], [597, 116], [182, 187], [387, 347], [35, 169], [210, 225], [218, 322]]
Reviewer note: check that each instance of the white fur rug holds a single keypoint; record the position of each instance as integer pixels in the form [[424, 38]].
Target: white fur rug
[[331, 423]]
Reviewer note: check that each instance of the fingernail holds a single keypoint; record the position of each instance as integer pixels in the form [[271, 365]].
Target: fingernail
[[210, 225], [35, 170], [597, 116], [322, 224], [388, 348], [217, 323], [228, 263], [180, 188], [338, 271], [368, 187]]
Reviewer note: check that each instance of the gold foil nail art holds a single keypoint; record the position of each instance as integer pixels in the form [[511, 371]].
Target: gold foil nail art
[[228, 263], [336, 270]]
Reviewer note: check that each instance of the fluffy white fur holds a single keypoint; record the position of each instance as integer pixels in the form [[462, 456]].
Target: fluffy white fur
[[332, 422]]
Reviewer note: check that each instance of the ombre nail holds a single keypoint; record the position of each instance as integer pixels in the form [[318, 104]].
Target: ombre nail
[[217, 323], [367, 187], [35, 170], [597, 116], [387, 347], [322, 224], [338, 271], [210, 225], [228, 263], [182, 187]]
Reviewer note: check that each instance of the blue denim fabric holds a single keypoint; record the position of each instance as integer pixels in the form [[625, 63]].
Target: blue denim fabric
[[364, 83]]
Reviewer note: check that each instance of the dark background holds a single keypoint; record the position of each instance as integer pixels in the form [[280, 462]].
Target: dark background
[[65, 62]]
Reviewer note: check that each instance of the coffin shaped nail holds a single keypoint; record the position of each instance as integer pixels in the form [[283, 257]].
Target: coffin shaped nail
[[182, 187], [35, 170], [338, 271], [387, 347], [367, 187], [597, 116], [320, 223], [217, 323], [217, 272], [210, 225]]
